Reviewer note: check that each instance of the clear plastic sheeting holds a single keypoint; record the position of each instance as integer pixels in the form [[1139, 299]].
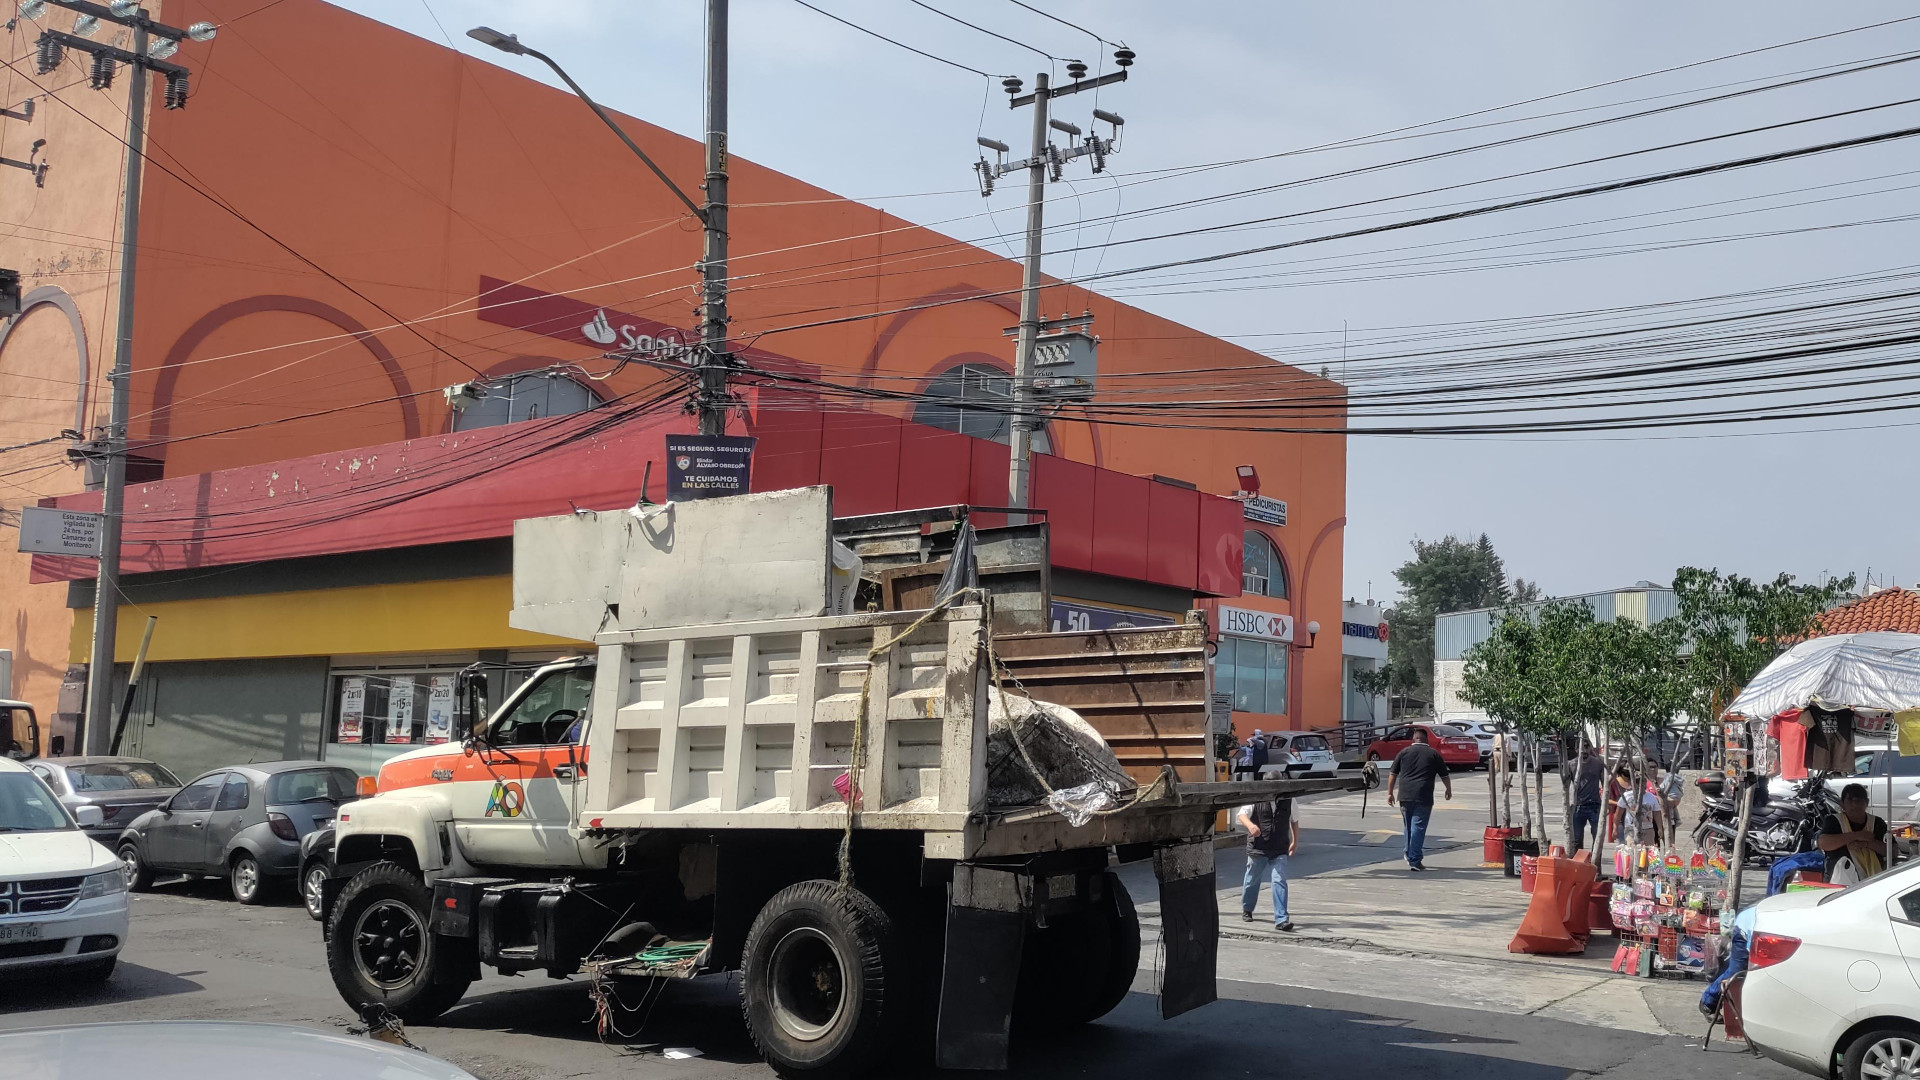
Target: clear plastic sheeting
[[1037, 751], [1878, 671], [1079, 804]]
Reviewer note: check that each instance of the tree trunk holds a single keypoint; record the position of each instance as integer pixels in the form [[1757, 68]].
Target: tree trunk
[[1540, 788], [1737, 861], [1566, 784], [1526, 802]]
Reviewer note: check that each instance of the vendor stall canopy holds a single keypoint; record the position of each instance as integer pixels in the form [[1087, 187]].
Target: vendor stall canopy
[[1878, 672]]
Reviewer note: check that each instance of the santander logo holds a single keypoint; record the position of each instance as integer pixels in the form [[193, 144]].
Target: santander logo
[[599, 330]]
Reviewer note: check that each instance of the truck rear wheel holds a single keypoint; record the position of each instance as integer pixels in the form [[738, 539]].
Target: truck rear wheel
[[1081, 967], [380, 949], [821, 981]]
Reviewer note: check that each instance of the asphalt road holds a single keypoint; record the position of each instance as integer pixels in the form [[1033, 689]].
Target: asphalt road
[[195, 954]]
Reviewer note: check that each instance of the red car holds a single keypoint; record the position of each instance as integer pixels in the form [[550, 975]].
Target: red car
[[1457, 748]]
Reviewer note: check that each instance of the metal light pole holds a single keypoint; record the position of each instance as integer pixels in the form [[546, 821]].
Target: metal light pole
[[711, 397]]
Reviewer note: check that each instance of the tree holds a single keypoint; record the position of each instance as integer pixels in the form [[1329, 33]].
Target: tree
[[1375, 683], [1530, 674], [1735, 627], [1450, 574]]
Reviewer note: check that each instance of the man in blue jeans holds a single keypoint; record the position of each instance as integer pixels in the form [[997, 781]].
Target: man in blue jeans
[[1273, 833], [1414, 770], [1586, 797]]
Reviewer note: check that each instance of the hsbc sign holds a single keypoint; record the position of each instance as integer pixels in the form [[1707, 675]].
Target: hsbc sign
[[1243, 622]]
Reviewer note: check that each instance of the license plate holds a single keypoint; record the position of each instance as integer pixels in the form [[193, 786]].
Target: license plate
[[20, 932]]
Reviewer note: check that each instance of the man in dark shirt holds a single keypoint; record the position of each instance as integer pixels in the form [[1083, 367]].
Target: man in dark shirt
[[1586, 797], [1258, 746], [1414, 770], [1272, 834], [1854, 834]]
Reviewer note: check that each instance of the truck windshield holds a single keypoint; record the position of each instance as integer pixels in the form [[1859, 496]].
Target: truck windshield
[[550, 714], [27, 806]]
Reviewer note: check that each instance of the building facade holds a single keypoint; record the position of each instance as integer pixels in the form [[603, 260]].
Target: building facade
[[323, 251]]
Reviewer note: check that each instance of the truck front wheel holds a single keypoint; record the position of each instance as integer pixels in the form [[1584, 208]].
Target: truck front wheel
[[380, 949], [821, 985]]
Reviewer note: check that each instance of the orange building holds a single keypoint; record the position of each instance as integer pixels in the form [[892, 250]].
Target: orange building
[[319, 256]]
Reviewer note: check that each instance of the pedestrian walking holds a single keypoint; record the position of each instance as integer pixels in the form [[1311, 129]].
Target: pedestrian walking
[[1586, 797], [1273, 834], [1617, 821], [1414, 771], [1261, 755], [1671, 790]]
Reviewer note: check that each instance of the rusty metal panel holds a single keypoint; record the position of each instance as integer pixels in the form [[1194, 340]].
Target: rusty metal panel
[[1143, 688]]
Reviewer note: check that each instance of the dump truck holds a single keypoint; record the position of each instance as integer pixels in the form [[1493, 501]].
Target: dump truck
[[899, 824]]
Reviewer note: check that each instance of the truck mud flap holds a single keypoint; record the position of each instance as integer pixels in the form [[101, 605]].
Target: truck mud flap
[[1189, 926], [986, 925]]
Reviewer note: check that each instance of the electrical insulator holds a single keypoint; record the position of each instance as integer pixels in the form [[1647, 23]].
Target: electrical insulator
[[101, 76], [1076, 69], [1123, 57], [48, 52], [175, 95], [1054, 161], [1099, 148]]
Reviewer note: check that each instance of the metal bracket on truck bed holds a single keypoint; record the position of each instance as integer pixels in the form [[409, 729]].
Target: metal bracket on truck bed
[[1189, 926]]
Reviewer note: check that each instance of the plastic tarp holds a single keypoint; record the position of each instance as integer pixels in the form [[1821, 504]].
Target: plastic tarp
[[1843, 671]]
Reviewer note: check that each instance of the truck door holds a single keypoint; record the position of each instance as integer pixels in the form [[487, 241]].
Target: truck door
[[534, 754]]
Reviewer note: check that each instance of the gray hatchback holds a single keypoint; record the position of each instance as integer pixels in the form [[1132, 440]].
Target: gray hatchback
[[242, 823], [122, 787]]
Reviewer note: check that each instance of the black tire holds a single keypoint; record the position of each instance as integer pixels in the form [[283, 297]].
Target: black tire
[[311, 876], [1081, 967], [1883, 1039], [134, 865], [91, 974], [380, 951], [247, 880], [820, 981]]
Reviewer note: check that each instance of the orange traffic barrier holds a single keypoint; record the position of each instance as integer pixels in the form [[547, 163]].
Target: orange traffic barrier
[[1556, 919]]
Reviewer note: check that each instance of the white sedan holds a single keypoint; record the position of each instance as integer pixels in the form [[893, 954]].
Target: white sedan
[[1833, 980], [63, 897]]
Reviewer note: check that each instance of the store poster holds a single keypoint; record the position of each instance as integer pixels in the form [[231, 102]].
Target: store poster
[[353, 709], [440, 709], [400, 710]]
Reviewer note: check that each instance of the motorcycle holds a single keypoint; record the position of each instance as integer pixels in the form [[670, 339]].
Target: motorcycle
[[1776, 827]]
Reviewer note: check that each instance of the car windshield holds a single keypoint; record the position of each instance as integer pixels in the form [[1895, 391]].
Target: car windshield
[[312, 785], [27, 806], [1448, 731], [119, 776], [1309, 742]]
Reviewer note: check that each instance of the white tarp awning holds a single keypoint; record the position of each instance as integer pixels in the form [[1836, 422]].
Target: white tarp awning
[[1851, 671]]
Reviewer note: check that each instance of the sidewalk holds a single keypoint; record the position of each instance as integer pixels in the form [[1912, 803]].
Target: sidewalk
[[1366, 924]]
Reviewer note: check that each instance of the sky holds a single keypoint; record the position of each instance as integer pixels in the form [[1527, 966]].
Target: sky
[[1813, 496]]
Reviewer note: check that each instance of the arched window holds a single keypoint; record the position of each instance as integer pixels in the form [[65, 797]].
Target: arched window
[[1263, 572], [988, 389], [528, 395]]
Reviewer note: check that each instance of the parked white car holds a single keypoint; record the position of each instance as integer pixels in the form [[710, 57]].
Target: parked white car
[[1299, 753], [63, 897], [1831, 985]]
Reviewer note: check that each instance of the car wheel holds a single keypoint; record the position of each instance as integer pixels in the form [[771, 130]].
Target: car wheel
[[311, 880], [249, 884], [139, 875], [1883, 1054], [379, 948], [820, 981]]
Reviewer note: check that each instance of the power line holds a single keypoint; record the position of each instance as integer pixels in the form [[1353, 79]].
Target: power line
[[891, 41], [984, 30]]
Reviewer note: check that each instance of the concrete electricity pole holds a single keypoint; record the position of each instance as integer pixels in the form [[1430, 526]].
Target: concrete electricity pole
[[711, 398], [1046, 159], [153, 42]]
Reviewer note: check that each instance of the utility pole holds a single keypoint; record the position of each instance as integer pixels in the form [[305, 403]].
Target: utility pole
[[106, 594], [153, 42], [1045, 163], [711, 398]]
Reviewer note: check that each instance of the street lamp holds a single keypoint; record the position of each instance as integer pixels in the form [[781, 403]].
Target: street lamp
[[510, 43]]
